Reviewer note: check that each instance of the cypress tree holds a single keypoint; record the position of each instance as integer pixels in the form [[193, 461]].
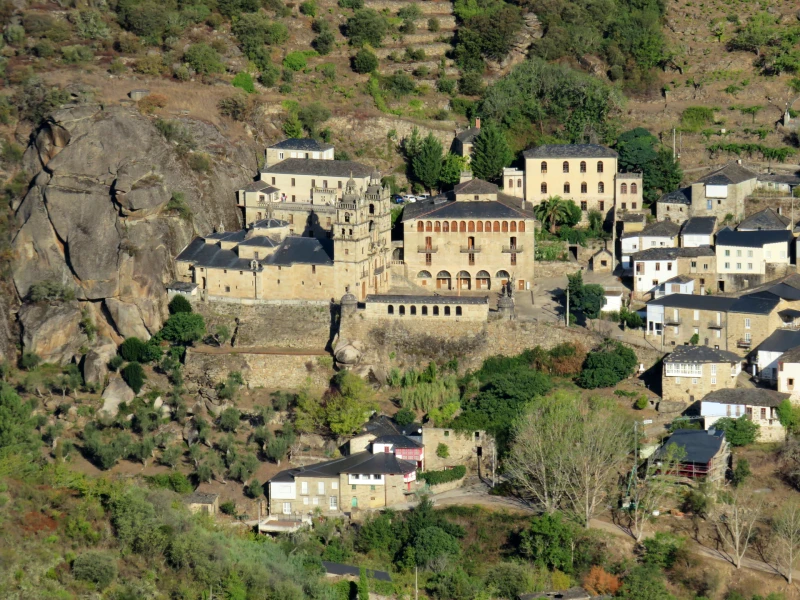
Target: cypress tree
[[490, 154], [427, 163]]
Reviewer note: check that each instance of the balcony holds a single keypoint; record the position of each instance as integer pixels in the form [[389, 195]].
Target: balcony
[[743, 343], [512, 249], [470, 249], [672, 321], [715, 325], [427, 249], [325, 191]]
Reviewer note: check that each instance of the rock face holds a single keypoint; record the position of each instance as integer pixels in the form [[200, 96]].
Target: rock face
[[94, 218], [115, 394], [96, 360], [53, 332], [347, 353]]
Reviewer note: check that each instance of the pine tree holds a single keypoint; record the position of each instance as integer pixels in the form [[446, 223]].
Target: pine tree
[[427, 164], [490, 154], [292, 126]]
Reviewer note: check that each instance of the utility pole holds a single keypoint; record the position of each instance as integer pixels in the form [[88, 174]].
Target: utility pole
[[673, 143], [566, 315]]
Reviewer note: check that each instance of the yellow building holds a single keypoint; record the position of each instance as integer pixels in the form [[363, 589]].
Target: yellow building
[[473, 238]]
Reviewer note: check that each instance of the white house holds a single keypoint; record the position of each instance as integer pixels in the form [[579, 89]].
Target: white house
[[662, 234], [654, 266], [677, 285], [789, 373], [749, 252], [613, 301], [765, 359], [757, 404], [629, 243], [698, 231]]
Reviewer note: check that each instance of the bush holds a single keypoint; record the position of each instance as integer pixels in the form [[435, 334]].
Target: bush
[[741, 472], [244, 81], [738, 432], [269, 76], [367, 26], [446, 85], [29, 360], [228, 508], [328, 71], [149, 65], [442, 451], [365, 61], [255, 489], [184, 328], [433, 25], [133, 350], [229, 419], [695, 118], [175, 481], [607, 367], [404, 417], [76, 54], [324, 42], [400, 84], [295, 61], [44, 49], [96, 567], [354, 4], [641, 403], [471, 83], [445, 476], [50, 291], [199, 162], [133, 375], [204, 59], [309, 8], [662, 549]]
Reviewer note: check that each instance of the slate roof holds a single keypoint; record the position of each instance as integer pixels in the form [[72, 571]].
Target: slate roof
[[679, 279], [269, 223], [468, 135], [363, 463], [182, 286], [730, 174], [789, 312], [211, 256], [780, 178], [700, 446], [780, 340], [505, 207], [631, 217], [303, 250], [676, 197], [791, 356], [419, 299], [476, 186], [751, 304], [699, 226], [318, 167], [259, 186], [260, 240], [304, 144], [227, 236], [332, 568], [787, 287], [751, 239], [200, 498], [755, 304], [766, 219], [661, 229], [570, 151], [672, 253], [397, 440], [751, 396], [700, 354], [380, 425]]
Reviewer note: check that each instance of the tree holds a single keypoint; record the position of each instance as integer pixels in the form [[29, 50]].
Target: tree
[[738, 432], [142, 450], [229, 419], [735, 518], [366, 26], [490, 153], [276, 449], [549, 541], [760, 31], [365, 61], [97, 567], [593, 298], [292, 126], [555, 210], [204, 59], [434, 544], [427, 163], [789, 415], [741, 472], [171, 456], [134, 376], [452, 167], [404, 417], [607, 366], [786, 532], [641, 152], [363, 584], [179, 304], [644, 582], [312, 116], [132, 349], [17, 433], [649, 488], [324, 42], [184, 328]]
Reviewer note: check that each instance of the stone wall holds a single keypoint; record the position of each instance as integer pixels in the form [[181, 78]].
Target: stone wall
[[462, 448], [554, 268], [446, 487]]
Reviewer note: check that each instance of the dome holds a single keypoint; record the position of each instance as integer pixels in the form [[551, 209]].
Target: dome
[[349, 298]]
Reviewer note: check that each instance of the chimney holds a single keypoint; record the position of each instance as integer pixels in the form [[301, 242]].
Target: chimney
[[477, 122], [465, 176]]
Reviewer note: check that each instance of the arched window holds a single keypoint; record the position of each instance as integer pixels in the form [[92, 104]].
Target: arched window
[[446, 311], [519, 183], [633, 188], [390, 309], [435, 311], [502, 275], [458, 311], [565, 167], [471, 226], [496, 226], [487, 227], [372, 209], [521, 228], [543, 188], [372, 225], [428, 226], [420, 226], [584, 188], [505, 226], [453, 226], [346, 217], [513, 226], [601, 188], [583, 166], [544, 167], [443, 275], [599, 166], [413, 310], [402, 311], [566, 188], [480, 226], [424, 311], [446, 226], [437, 226], [623, 189], [463, 226], [424, 275], [510, 183]]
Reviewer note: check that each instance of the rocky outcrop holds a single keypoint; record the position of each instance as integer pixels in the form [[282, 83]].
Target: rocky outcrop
[[348, 353], [94, 218], [95, 362], [115, 394], [52, 331]]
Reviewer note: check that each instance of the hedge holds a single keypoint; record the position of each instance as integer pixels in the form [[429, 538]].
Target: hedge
[[446, 476]]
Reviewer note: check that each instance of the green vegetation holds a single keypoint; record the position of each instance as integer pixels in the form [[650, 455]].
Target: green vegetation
[[204, 59], [365, 61], [134, 376], [738, 432], [490, 154], [446, 476], [607, 366], [640, 152], [589, 299], [696, 118], [558, 211], [366, 26], [244, 81]]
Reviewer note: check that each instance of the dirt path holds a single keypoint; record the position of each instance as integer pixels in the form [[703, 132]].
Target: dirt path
[[259, 350]]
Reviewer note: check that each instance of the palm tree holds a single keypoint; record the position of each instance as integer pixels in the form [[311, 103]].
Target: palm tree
[[554, 210]]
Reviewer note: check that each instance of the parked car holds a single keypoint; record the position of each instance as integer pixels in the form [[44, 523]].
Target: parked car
[[409, 198], [397, 199], [423, 197]]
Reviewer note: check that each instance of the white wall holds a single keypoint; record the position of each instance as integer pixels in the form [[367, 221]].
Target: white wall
[[283, 490], [653, 271], [652, 241], [767, 361], [629, 246], [733, 259], [655, 314], [354, 479], [696, 240], [790, 371], [613, 303]]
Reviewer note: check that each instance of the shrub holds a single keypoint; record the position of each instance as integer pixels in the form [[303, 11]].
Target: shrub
[[236, 107], [184, 328], [446, 85], [366, 26], [29, 360], [295, 61], [400, 84], [312, 115], [607, 367], [14, 34], [244, 81], [324, 42], [228, 508], [433, 24], [255, 489], [199, 162], [641, 403], [175, 481], [738, 432], [328, 71], [133, 375], [662, 549], [599, 582], [309, 8], [116, 362], [177, 203], [365, 61], [204, 59], [149, 65], [695, 118], [96, 567], [404, 417], [269, 76], [132, 350], [229, 419], [44, 49], [50, 291], [471, 83], [741, 472], [354, 4], [442, 451], [445, 476]]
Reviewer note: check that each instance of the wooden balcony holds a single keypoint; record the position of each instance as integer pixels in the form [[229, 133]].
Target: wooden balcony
[[743, 343]]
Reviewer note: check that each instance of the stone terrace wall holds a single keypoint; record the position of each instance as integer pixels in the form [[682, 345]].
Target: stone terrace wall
[[271, 326]]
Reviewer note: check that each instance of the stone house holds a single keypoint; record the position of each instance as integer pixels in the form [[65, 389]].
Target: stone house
[[366, 479], [654, 266], [629, 191], [674, 206], [200, 502], [691, 372], [757, 404], [722, 192], [789, 374], [725, 323], [464, 140], [583, 173], [602, 261], [307, 148], [706, 454], [698, 231], [753, 257], [765, 220], [766, 356], [630, 222], [514, 182], [315, 181], [780, 184], [473, 238]]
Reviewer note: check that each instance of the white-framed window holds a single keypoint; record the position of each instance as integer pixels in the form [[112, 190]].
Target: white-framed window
[[747, 323], [678, 380], [697, 315], [694, 381], [738, 253], [768, 253], [713, 381], [783, 253], [727, 252], [287, 508], [738, 266], [304, 487], [321, 488], [696, 330], [280, 155], [719, 334], [749, 254], [333, 502], [675, 330], [713, 370], [305, 500], [727, 265], [315, 501], [684, 369], [747, 337], [334, 485], [749, 266]]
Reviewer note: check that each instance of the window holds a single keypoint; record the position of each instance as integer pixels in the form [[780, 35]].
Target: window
[[510, 183], [738, 266], [372, 488], [334, 485], [763, 414], [633, 205], [321, 488], [599, 166], [669, 266], [340, 185], [713, 381], [458, 311], [333, 503], [749, 254], [390, 309], [313, 183], [292, 181], [325, 183], [658, 266], [727, 265], [738, 253], [424, 311], [584, 205], [543, 188], [633, 188], [624, 206], [747, 337], [413, 310], [544, 167], [304, 487], [314, 500], [402, 310], [768, 253], [623, 189], [601, 188], [727, 252], [287, 508], [446, 434], [565, 167], [566, 188], [696, 315], [749, 266], [747, 323], [446, 311], [790, 383], [584, 188]]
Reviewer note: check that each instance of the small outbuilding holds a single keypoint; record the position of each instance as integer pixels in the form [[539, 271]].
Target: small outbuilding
[[602, 261], [200, 502]]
